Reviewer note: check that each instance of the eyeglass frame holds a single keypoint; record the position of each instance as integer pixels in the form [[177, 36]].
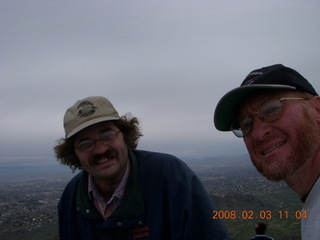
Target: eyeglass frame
[[240, 134], [100, 139]]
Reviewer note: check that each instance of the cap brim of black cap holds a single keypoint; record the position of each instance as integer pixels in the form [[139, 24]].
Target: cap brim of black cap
[[227, 107]]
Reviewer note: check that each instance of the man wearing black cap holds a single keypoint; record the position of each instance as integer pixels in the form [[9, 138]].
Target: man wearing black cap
[[123, 193], [277, 113]]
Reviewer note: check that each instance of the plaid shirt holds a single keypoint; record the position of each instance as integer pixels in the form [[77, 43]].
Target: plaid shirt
[[106, 208]]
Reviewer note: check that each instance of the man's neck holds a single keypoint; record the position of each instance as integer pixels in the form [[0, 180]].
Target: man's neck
[[303, 179], [107, 187]]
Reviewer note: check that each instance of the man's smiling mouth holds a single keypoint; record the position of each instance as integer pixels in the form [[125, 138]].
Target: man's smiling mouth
[[273, 148], [102, 161]]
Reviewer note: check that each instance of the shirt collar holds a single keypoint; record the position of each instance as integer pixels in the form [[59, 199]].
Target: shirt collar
[[304, 198]]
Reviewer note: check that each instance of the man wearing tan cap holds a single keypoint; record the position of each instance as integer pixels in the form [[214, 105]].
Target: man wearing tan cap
[[123, 193], [277, 113]]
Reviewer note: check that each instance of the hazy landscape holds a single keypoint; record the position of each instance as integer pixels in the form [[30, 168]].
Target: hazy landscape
[[29, 196]]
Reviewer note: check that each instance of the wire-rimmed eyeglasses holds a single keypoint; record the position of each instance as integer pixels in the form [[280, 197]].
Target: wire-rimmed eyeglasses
[[88, 145], [268, 112]]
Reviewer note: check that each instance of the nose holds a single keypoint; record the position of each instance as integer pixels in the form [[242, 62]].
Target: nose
[[99, 147], [259, 128]]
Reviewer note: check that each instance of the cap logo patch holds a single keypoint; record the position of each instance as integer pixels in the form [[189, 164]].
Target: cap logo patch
[[255, 73], [248, 82], [253, 76], [86, 109]]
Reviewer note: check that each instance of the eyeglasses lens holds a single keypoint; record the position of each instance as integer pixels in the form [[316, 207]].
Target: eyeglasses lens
[[88, 145], [268, 112]]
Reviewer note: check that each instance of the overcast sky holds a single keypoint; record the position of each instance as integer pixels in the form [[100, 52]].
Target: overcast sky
[[166, 62]]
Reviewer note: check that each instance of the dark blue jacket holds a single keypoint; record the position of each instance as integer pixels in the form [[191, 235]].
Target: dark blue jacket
[[164, 200]]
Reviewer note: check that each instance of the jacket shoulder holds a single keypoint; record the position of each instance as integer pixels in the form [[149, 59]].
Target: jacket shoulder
[[156, 158], [70, 190], [75, 180]]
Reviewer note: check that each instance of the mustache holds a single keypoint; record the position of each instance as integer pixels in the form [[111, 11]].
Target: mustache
[[109, 154]]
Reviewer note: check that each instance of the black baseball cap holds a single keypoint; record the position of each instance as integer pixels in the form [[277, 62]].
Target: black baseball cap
[[271, 77]]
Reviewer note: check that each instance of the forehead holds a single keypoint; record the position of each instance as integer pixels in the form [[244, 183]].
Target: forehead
[[96, 128]]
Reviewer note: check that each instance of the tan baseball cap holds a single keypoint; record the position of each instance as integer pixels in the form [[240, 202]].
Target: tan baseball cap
[[86, 112]]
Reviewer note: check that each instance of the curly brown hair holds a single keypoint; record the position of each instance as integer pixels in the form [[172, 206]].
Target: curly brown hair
[[129, 126]]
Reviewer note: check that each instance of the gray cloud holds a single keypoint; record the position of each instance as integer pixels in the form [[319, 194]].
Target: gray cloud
[[166, 62]]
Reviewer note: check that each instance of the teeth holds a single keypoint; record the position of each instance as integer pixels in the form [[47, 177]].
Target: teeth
[[273, 148], [103, 160]]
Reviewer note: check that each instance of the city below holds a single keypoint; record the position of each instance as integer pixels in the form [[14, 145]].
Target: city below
[[29, 198]]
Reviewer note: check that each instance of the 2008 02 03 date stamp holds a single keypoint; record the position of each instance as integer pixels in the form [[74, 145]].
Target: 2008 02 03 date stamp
[[264, 214]]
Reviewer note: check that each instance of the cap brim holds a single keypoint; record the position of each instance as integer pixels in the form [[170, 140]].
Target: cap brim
[[89, 123], [227, 107]]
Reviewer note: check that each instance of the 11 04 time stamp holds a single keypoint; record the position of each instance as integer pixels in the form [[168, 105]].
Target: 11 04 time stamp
[[264, 214]]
